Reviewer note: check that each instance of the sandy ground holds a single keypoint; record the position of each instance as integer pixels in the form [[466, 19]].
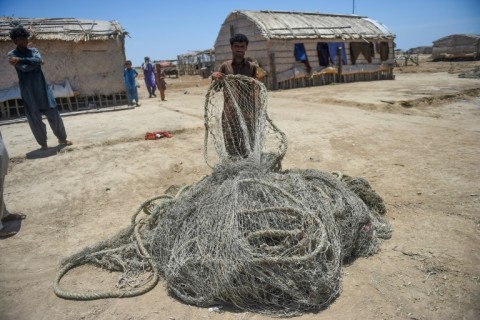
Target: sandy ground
[[416, 139]]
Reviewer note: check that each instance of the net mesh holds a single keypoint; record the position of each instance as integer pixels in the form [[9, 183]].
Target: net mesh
[[237, 125], [249, 235]]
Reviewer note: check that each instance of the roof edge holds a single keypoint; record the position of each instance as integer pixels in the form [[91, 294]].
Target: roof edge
[[66, 29]]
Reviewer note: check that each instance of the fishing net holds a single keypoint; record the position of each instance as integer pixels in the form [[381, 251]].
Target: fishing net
[[237, 125], [249, 235]]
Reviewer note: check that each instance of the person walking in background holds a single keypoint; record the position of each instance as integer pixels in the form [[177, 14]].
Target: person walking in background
[[160, 77], [149, 76], [37, 96], [130, 77], [5, 216]]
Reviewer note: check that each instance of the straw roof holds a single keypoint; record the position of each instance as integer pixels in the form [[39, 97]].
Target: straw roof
[[457, 40], [66, 29], [290, 25]]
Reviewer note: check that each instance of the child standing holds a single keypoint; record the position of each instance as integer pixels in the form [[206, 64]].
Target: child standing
[[160, 77], [130, 75]]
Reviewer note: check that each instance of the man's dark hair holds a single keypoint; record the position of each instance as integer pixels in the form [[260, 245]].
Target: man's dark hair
[[239, 37], [19, 32]]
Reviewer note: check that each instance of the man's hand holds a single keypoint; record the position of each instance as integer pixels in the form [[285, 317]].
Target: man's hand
[[13, 60], [217, 75]]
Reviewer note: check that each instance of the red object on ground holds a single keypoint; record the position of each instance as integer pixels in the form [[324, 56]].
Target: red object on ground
[[157, 135]]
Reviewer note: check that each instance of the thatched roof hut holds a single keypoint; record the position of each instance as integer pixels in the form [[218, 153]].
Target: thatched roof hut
[[293, 47], [421, 50], [84, 58], [457, 46], [195, 62]]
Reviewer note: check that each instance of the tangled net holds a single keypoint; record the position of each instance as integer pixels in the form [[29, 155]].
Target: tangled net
[[249, 235]]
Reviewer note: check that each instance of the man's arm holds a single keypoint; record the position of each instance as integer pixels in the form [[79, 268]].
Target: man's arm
[[26, 64], [220, 74], [217, 75]]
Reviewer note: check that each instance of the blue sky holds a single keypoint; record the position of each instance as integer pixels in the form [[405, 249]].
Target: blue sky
[[165, 29]]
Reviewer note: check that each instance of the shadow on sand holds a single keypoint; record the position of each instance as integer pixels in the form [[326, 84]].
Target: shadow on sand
[[39, 153]]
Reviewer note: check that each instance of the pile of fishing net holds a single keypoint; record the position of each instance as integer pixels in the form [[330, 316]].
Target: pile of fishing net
[[249, 235]]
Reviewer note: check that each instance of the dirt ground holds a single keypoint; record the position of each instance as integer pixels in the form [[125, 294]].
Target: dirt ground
[[416, 139]]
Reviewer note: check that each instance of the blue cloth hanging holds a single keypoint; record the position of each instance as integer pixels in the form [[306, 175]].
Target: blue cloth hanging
[[332, 48], [300, 53]]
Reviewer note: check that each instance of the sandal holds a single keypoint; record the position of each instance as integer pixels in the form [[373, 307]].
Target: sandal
[[65, 142], [14, 216], [6, 234]]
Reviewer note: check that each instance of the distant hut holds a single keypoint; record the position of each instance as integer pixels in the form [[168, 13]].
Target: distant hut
[[196, 62], [298, 49], [83, 62], [457, 47], [169, 67], [421, 50]]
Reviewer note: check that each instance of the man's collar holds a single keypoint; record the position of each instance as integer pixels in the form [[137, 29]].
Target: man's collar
[[243, 62]]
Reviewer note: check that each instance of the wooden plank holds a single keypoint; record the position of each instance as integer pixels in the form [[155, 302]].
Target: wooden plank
[[16, 107], [273, 71], [3, 109]]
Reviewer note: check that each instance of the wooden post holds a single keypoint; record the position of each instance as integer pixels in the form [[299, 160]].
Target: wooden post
[[3, 109], [60, 100], [16, 107], [339, 57], [69, 104], [273, 71]]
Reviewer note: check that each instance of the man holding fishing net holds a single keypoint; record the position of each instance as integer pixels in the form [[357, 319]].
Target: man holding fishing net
[[235, 140]]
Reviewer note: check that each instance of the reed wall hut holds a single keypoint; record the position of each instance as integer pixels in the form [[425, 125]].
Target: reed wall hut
[[421, 50], [299, 49], [457, 47], [83, 58], [196, 62]]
